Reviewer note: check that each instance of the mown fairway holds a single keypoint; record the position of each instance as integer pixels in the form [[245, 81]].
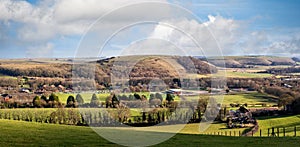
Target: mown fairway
[[16, 133]]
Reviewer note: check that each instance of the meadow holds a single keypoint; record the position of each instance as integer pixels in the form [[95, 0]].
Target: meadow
[[37, 134], [288, 122], [238, 98], [234, 73], [253, 99]]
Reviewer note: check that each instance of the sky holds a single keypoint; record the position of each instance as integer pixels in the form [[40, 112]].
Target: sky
[[93, 28]]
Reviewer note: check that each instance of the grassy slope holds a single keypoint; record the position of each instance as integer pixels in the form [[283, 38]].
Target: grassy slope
[[15, 133], [279, 121]]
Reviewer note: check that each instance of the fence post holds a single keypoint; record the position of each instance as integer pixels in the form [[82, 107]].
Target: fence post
[[295, 130], [268, 131], [225, 133], [234, 133], [252, 132], [229, 133], [273, 132], [283, 131], [239, 133], [260, 132], [218, 133]]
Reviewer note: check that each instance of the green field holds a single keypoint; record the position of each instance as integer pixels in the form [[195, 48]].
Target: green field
[[232, 73], [10, 77], [88, 96], [279, 121], [16, 133], [242, 98]]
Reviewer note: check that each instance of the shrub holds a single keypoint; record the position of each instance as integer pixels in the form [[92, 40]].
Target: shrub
[[53, 98], [70, 101], [37, 101], [170, 97], [79, 99], [95, 102]]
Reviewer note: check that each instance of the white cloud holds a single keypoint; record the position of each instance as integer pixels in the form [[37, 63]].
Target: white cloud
[[290, 46], [206, 34], [40, 51]]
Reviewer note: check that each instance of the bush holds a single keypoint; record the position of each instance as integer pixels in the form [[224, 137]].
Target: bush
[[79, 99], [53, 98], [170, 97], [71, 101]]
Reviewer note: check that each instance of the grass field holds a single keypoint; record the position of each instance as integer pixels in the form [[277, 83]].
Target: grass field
[[88, 96], [9, 77], [242, 98], [279, 121], [232, 74], [15, 133]]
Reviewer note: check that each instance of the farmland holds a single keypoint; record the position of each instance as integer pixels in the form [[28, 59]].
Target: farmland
[[36, 134], [252, 98]]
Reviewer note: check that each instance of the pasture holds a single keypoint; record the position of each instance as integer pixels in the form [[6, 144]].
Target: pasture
[[279, 122], [253, 99], [239, 98], [36, 134], [233, 73]]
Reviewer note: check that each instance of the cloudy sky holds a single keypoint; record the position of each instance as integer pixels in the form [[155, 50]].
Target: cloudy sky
[[68, 28]]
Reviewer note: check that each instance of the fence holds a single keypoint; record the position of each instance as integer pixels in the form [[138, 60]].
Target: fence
[[270, 132]]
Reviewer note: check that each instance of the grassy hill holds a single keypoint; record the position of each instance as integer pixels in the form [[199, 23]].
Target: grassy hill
[[143, 66], [15, 133], [246, 61]]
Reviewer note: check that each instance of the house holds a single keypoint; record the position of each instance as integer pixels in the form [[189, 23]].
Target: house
[[25, 90], [6, 97], [174, 91]]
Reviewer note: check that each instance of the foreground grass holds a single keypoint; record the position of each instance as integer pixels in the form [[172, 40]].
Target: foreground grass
[[16, 133]]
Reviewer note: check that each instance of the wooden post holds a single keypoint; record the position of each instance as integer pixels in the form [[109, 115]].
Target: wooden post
[[295, 130], [260, 132], [229, 133], [283, 131], [225, 133], [218, 133], [234, 133], [277, 132], [268, 131], [273, 132], [252, 132], [239, 133]]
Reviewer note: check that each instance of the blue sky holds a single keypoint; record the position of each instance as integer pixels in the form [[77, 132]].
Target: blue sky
[[49, 28]]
